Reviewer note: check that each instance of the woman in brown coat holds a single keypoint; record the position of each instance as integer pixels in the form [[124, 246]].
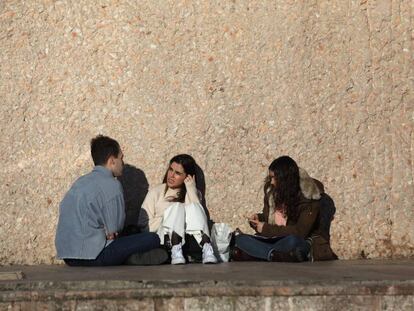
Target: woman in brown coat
[[290, 220]]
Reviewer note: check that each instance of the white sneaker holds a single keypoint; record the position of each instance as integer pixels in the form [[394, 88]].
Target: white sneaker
[[208, 254], [177, 257]]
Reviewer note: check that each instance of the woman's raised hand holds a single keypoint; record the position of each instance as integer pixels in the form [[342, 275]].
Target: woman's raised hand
[[189, 181]]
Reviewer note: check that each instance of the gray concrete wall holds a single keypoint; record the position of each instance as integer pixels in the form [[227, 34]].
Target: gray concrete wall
[[234, 83]]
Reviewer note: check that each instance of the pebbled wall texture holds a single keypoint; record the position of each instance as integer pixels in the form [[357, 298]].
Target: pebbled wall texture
[[234, 83]]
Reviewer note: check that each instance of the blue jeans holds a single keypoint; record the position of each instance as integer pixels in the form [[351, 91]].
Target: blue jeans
[[120, 249], [262, 250]]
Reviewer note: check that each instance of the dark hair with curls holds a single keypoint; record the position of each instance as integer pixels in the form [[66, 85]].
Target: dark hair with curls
[[190, 168], [287, 190]]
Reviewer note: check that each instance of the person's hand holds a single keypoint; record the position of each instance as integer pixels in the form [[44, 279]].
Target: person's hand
[[112, 236], [253, 217], [257, 225], [280, 218], [189, 181]]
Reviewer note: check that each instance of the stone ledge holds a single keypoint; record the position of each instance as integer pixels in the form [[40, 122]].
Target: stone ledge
[[366, 284], [138, 290]]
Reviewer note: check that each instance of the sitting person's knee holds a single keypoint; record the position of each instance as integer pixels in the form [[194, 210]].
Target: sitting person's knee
[[155, 237], [241, 239]]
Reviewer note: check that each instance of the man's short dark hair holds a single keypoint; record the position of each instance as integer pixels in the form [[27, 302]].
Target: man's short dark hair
[[102, 148]]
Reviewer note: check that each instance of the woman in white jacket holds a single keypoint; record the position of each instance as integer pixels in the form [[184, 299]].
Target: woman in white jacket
[[174, 209]]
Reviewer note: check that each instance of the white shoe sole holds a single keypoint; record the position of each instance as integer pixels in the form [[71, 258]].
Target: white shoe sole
[[178, 261], [210, 261]]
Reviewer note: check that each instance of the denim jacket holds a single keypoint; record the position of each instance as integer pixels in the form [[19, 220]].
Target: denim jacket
[[93, 207]]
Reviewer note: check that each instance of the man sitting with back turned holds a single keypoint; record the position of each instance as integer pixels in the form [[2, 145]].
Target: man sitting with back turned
[[92, 214]]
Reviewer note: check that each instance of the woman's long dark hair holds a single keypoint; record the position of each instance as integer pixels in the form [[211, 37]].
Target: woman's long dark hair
[[190, 168], [287, 190]]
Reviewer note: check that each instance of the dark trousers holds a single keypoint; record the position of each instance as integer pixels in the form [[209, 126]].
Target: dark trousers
[[120, 249]]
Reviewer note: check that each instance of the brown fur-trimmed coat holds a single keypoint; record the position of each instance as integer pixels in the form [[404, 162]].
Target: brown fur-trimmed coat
[[308, 222]]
